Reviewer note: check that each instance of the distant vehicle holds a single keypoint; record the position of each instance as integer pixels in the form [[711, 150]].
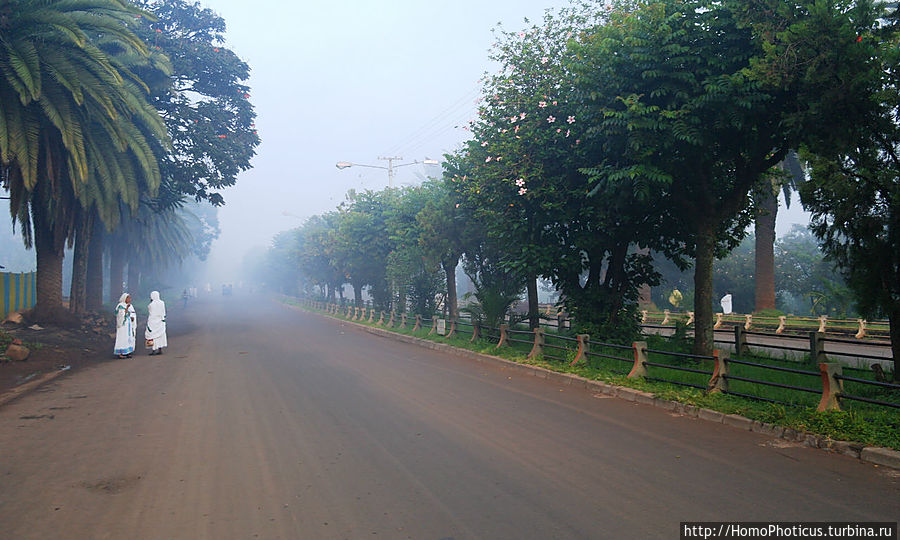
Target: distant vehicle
[[227, 289]]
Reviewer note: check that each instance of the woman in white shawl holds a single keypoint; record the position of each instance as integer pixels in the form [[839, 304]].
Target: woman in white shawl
[[156, 325], [126, 327]]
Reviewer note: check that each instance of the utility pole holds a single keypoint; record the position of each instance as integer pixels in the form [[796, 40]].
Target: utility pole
[[390, 168]]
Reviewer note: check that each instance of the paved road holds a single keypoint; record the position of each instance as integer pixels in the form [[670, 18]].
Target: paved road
[[265, 422]]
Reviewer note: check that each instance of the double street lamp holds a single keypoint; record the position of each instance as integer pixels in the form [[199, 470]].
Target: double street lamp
[[390, 166]]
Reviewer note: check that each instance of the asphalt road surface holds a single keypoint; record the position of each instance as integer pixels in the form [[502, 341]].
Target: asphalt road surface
[[266, 422]]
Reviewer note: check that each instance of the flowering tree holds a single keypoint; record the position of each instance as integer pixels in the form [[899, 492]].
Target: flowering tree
[[528, 167]]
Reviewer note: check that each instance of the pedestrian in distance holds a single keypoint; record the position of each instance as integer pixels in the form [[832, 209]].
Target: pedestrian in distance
[[184, 296], [126, 327], [726, 303], [155, 334]]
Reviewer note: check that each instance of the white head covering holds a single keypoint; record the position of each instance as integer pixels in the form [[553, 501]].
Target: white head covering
[[154, 296], [123, 297]]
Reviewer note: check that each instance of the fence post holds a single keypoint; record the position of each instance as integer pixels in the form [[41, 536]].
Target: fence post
[[418, 325], [640, 356], [380, 320], [503, 335], [583, 348], [349, 311], [831, 387], [690, 319], [403, 320], [817, 347], [643, 316], [748, 318], [665, 320], [372, 315], [452, 329], [718, 321], [476, 331], [391, 321], [823, 320], [560, 321], [538, 348], [781, 321], [740, 341], [862, 329], [719, 380], [433, 325]]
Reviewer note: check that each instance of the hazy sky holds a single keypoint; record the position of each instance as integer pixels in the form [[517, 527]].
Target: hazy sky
[[353, 81]]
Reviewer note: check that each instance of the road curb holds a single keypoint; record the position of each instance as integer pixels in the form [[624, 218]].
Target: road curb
[[25, 388], [878, 456]]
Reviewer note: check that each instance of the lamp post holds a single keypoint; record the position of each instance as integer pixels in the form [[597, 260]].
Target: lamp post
[[390, 166]]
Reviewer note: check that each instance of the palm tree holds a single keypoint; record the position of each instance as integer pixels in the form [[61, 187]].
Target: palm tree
[[75, 126]]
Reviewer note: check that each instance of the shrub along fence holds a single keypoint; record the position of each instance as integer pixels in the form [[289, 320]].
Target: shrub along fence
[[830, 387]]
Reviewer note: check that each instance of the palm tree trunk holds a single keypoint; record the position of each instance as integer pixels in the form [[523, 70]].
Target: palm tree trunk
[[49, 252], [116, 271], [703, 311], [765, 250], [134, 278], [94, 285], [78, 292]]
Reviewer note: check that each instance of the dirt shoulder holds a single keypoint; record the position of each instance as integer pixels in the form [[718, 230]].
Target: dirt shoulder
[[54, 348]]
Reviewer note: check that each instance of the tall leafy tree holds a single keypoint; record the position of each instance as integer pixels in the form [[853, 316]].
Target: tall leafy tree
[[688, 85], [854, 187]]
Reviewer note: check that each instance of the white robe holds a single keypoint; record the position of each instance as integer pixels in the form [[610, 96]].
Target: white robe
[[156, 322], [726, 304], [126, 328]]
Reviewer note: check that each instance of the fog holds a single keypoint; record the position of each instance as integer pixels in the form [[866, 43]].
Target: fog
[[350, 81]]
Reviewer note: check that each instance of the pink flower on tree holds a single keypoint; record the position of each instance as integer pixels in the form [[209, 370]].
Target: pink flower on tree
[[523, 191], [551, 119], [544, 60], [542, 104], [571, 120], [522, 116], [520, 182], [488, 159], [484, 143]]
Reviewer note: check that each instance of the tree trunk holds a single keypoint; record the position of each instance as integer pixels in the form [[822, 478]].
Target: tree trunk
[[134, 278], [357, 296], [534, 312], [894, 319], [452, 302], [116, 271], [94, 285], [765, 250], [78, 291], [48, 245], [703, 311], [48, 286]]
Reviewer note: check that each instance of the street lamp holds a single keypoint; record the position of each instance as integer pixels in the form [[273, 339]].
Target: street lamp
[[390, 167]]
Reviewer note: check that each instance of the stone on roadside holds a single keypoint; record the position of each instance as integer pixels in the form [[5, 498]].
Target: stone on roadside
[[17, 353], [14, 317]]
